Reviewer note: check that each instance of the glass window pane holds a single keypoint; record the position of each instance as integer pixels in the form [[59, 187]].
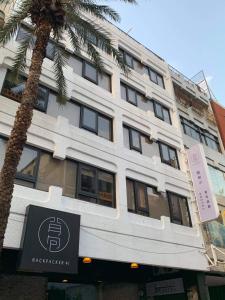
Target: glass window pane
[[104, 81], [158, 204], [131, 96], [165, 153], [105, 188], [175, 209], [141, 197], [129, 60], [173, 158], [90, 72], [50, 50], [87, 180], [146, 146], [158, 110], [13, 90], [184, 212], [77, 64], [22, 34], [28, 162], [135, 140], [2, 152], [166, 115], [89, 119], [42, 98], [123, 92], [160, 81], [144, 103], [57, 173], [130, 195], [138, 67], [218, 181], [153, 76], [126, 137], [104, 127]]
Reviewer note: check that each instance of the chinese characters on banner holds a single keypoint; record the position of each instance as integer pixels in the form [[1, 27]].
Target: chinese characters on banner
[[206, 201]]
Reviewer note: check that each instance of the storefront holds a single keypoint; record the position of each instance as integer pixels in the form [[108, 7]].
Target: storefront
[[48, 267]]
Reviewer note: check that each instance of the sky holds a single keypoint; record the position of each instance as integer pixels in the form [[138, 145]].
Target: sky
[[188, 34]]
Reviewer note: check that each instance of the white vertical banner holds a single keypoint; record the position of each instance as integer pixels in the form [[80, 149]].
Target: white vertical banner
[[205, 197]]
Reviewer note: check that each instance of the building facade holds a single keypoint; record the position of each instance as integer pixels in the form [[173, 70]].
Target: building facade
[[199, 126], [115, 156]]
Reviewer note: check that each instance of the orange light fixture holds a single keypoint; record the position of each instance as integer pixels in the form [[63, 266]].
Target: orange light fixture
[[87, 260], [134, 265]]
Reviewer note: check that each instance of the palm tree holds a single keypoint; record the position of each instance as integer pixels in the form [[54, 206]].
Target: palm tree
[[53, 19]]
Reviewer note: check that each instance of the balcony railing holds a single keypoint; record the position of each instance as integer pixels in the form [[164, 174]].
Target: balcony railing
[[189, 84]]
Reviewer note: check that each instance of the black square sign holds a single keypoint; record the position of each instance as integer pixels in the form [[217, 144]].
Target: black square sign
[[51, 241]]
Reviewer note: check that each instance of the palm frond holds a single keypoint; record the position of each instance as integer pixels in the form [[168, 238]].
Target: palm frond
[[9, 29], [20, 58], [60, 61], [74, 40], [85, 28], [95, 57]]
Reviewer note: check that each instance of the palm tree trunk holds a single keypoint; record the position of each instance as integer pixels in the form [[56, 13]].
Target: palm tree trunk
[[22, 122]]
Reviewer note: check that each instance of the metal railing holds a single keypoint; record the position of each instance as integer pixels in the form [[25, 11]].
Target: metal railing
[[188, 80]]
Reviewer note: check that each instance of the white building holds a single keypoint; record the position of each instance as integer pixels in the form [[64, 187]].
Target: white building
[[113, 155]]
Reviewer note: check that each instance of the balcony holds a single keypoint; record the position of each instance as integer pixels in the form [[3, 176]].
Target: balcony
[[189, 86]]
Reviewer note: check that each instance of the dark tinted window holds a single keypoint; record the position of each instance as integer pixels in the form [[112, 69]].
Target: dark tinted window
[[96, 122], [161, 112], [14, 91], [90, 72], [179, 211], [155, 77], [89, 119], [96, 186], [168, 155]]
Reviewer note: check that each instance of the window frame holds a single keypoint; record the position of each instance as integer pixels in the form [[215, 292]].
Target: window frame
[[169, 194], [98, 114], [85, 63], [126, 86], [150, 69], [77, 182], [168, 148], [23, 77], [131, 145], [94, 195], [155, 102], [203, 134]]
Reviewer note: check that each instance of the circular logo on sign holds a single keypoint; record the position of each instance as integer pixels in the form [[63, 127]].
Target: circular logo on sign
[[53, 234]]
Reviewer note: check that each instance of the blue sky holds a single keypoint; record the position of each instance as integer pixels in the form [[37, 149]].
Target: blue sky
[[188, 34]]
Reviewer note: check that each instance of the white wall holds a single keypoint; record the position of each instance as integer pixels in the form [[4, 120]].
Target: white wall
[[108, 233]]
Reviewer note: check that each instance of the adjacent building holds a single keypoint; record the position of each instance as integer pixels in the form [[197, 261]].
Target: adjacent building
[[199, 126]]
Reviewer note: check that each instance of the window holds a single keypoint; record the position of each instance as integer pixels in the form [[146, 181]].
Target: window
[[155, 77], [38, 169], [168, 155], [129, 94], [140, 142], [179, 211], [96, 186], [14, 91], [145, 200], [162, 112], [23, 33], [87, 70], [200, 134], [95, 122], [90, 72], [218, 180], [132, 62]]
